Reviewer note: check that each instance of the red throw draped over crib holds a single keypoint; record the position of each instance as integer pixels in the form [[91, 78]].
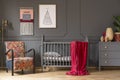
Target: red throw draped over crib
[[79, 52]]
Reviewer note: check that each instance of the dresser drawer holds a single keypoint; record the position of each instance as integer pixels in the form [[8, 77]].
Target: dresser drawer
[[110, 62], [109, 46], [110, 54]]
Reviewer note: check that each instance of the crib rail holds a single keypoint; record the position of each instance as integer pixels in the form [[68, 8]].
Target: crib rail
[[56, 54]]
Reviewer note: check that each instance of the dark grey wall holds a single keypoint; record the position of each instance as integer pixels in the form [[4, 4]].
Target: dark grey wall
[[0, 12], [74, 17], [97, 15]]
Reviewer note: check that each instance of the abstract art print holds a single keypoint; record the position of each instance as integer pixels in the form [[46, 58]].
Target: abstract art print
[[26, 21], [47, 16]]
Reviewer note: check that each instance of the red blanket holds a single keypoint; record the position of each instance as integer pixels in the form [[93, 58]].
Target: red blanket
[[79, 58]]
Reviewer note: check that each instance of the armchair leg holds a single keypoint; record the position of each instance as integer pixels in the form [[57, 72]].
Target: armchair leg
[[7, 70], [12, 69], [22, 71], [34, 69], [12, 72], [12, 63]]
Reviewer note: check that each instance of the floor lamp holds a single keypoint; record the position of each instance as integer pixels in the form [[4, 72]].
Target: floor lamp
[[3, 27]]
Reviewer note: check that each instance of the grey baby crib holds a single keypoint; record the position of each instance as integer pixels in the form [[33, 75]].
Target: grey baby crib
[[55, 54]]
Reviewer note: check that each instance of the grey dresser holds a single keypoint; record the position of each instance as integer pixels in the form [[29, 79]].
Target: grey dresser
[[109, 54]]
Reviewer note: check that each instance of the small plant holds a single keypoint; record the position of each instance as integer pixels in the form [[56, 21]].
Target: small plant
[[116, 23]]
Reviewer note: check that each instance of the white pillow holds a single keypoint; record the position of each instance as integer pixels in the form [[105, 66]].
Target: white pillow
[[52, 54]]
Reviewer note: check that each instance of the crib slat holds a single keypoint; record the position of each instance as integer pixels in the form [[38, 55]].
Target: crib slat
[[66, 54], [50, 51], [63, 53], [69, 55], [57, 51]]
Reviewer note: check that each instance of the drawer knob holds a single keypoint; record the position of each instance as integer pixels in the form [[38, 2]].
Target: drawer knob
[[105, 47], [106, 62], [106, 54]]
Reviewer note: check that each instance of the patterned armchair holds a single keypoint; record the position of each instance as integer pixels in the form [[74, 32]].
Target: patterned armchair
[[16, 59]]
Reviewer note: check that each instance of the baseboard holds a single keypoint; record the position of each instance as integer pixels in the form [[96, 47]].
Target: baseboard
[[91, 68], [55, 68], [61, 68], [2, 68], [110, 67]]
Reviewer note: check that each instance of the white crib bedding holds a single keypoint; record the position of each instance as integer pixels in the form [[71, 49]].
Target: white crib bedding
[[65, 58]]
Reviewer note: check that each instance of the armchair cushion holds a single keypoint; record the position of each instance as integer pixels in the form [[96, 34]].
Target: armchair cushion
[[21, 63], [24, 63], [18, 49]]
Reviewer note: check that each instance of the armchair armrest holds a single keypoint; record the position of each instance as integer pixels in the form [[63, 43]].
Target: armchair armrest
[[12, 52], [30, 51], [9, 51]]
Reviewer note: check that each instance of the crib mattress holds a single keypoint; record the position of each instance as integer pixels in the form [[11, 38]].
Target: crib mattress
[[65, 58]]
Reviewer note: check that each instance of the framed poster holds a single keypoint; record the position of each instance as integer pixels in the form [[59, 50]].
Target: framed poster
[[47, 16], [26, 21]]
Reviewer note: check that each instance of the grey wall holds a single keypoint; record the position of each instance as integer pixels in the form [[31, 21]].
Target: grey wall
[[97, 15], [74, 17], [0, 12]]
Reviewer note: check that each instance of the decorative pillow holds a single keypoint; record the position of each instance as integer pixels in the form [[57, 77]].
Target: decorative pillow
[[52, 54]]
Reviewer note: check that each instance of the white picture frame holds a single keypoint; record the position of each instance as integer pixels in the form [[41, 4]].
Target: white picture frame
[[47, 16]]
